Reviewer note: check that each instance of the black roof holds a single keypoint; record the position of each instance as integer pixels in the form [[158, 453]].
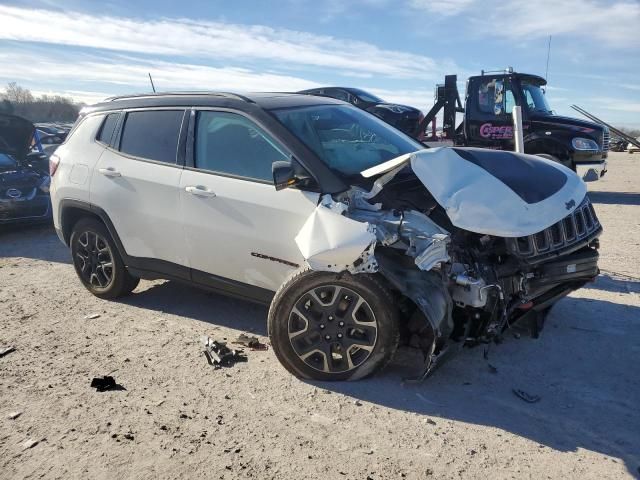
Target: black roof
[[247, 101]]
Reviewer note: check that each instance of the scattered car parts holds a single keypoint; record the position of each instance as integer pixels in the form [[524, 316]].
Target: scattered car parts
[[219, 355]]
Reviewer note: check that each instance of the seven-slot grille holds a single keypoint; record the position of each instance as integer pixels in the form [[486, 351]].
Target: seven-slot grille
[[579, 227]]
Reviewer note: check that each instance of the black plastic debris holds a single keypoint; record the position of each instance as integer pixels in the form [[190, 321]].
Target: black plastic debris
[[106, 384], [251, 342], [219, 355], [527, 397], [6, 351]]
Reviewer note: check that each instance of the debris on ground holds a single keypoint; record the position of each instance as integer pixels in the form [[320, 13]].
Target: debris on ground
[[527, 397], [14, 415], [92, 316], [105, 384], [492, 368], [30, 444], [251, 342], [219, 355], [6, 351]]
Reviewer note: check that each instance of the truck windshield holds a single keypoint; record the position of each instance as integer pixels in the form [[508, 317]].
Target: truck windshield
[[535, 98], [346, 138]]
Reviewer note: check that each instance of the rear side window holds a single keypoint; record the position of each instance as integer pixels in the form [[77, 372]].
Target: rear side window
[[232, 144], [152, 134], [108, 127]]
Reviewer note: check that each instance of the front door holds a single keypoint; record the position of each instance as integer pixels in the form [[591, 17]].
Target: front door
[[236, 225]]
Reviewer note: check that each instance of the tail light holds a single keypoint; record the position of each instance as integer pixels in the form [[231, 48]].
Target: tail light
[[54, 161]]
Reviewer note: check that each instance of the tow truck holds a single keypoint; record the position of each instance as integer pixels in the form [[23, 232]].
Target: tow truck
[[487, 121]]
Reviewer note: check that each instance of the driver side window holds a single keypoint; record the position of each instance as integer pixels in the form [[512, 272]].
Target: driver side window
[[232, 144]]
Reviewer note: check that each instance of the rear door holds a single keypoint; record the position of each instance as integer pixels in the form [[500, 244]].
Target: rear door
[[136, 182], [237, 226]]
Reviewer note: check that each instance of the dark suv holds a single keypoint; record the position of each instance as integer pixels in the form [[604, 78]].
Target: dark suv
[[405, 118]]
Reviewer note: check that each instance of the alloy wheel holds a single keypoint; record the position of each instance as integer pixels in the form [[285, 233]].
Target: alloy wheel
[[332, 329], [94, 259]]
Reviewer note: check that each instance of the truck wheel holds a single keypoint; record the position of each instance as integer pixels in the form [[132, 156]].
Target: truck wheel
[[329, 326], [97, 261]]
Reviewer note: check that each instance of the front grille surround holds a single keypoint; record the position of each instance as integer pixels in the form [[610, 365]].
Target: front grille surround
[[577, 229]]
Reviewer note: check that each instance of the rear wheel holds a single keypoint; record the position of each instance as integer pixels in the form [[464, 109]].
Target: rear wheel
[[329, 326], [97, 261]]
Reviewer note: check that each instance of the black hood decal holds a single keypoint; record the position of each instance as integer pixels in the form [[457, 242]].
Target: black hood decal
[[532, 179]]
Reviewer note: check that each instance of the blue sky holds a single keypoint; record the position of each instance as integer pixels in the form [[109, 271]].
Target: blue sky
[[398, 49]]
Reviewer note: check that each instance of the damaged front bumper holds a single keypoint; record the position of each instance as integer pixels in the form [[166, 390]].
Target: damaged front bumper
[[464, 288]]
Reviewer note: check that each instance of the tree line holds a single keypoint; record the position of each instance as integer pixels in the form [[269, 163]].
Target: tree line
[[16, 100]]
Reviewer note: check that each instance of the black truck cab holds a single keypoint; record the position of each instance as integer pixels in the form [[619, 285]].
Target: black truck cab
[[578, 144]]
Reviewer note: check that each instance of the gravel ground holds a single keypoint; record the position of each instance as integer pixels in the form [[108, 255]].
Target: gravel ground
[[179, 418]]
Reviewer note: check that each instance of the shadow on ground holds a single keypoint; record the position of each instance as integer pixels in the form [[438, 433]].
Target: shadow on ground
[[583, 367], [186, 301], [615, 198], [39, 242]]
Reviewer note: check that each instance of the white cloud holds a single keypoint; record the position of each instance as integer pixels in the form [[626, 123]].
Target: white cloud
[[613, 22], [129, 74], [213, 40], [442, 7]]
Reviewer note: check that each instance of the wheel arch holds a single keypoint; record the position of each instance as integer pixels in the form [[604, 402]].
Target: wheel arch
[[72, 211]]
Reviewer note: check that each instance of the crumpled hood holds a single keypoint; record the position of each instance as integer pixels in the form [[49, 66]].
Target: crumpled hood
[[492, 192], [15, 136]]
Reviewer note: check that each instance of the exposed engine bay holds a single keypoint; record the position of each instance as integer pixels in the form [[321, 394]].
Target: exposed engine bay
[[471, 242]]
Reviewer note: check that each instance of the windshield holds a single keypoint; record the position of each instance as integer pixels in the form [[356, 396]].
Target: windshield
[[346, 138], [535, 98], [7, 162], [366, 96]]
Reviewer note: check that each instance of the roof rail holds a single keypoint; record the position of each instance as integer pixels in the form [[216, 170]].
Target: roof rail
[[185, 93]]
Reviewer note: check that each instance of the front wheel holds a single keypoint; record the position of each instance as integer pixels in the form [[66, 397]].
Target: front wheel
[[97, 261], [328, 326]]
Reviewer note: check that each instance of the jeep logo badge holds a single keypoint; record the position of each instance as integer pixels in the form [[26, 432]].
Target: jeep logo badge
[[14, 193], [570, 204]]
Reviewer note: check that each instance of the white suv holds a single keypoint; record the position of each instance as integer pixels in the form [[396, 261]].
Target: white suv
[[358, 236]]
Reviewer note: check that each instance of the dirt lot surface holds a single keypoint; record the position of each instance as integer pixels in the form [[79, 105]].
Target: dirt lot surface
[[180, 418]]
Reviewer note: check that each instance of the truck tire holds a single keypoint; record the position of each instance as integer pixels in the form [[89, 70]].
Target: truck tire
[[333, 326], [97, 261]]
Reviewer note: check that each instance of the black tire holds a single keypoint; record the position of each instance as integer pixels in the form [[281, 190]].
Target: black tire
[[357, 312], [97, 261]]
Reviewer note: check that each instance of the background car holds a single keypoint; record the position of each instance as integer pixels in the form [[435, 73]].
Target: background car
[[24, 188], [402, 117]]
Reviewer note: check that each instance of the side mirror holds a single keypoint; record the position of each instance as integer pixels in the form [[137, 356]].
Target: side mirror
[[288, 174]]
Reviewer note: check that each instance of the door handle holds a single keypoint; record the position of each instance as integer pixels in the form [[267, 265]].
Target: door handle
[[200, 191], [109, 172]]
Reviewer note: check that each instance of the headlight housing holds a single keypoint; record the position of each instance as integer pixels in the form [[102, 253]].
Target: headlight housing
[[584, 144]]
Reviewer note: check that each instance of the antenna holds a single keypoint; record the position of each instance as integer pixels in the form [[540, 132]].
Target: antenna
[[546, 74], [152, 85]]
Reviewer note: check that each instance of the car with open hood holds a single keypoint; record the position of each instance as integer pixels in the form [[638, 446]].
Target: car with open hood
[[356, 236], [24, 188]]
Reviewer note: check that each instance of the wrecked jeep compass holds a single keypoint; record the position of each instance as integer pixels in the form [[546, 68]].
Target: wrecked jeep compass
[[366, 239]]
